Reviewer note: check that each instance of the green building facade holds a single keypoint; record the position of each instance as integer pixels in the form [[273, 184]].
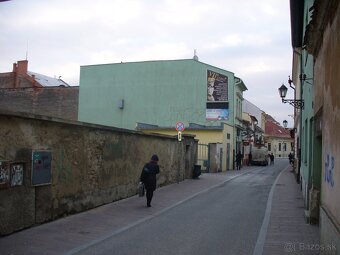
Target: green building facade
[[156, 92]]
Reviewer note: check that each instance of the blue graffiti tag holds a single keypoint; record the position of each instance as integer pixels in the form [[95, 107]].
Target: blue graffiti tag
[[329, 170]]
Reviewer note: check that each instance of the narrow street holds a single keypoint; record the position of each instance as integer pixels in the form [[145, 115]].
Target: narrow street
[[257, 210], [225, 220]]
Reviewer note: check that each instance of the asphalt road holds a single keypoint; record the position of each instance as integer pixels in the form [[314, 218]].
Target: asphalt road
[[225, 220]]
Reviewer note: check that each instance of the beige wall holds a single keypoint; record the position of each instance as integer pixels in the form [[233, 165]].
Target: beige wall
[[274, 141], [91, 165], [206, 137], [327, 106]]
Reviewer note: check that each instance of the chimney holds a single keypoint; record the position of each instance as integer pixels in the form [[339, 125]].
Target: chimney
[[22, 67]]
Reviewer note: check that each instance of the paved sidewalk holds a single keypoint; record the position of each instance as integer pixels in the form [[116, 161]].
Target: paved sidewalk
[[73, 233], [286, 230]]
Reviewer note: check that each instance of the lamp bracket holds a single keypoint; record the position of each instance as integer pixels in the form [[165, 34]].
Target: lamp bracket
[[299, 104]]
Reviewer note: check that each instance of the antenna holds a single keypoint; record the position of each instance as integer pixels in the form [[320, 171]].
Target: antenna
[[26, 49], [195, 56]]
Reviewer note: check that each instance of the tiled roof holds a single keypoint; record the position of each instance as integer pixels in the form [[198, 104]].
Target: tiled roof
[[273, 128], [47, 81]]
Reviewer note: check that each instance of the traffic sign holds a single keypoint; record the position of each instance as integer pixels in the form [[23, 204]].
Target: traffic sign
[[180, 126]]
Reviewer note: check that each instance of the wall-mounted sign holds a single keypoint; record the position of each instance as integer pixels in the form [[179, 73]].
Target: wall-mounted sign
[[180, 126], [217, 114], [41, 167], [217, 86], [217, 111]]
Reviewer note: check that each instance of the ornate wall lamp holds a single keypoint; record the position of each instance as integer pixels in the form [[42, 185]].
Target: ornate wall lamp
[[285, 123], [299, 104]]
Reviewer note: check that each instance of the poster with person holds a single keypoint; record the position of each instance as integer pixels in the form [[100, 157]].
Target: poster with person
[[217, 87]]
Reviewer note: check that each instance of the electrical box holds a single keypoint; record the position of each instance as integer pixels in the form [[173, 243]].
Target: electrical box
[[121, 104]]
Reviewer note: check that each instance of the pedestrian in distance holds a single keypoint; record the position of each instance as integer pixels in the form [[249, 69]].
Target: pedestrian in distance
[[239, 157], [291, 161], [272, 159], [291, 158], [148, 177], [250, 157]]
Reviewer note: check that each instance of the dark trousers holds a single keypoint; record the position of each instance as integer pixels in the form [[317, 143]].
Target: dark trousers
[[149, 195], [238, 165]]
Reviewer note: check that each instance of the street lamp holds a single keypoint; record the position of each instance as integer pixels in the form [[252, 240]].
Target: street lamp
[[299, 104], [285, 123]]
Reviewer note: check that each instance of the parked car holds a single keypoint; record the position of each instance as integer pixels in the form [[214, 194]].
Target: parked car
[[259, 155]]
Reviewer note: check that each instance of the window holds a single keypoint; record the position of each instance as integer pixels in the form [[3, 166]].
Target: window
[[284, 147], [269, 147], [279, 146]]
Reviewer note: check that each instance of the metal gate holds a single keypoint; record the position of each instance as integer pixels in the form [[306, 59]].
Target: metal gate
[[203, 157]]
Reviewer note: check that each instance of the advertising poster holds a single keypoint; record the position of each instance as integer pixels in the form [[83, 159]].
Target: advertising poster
[[217, 114], [17, 174], [217, 87]]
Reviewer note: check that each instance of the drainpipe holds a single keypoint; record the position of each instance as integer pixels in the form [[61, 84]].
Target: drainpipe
[[300, 126]]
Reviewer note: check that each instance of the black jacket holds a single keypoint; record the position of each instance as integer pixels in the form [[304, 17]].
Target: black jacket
[[148, 176]]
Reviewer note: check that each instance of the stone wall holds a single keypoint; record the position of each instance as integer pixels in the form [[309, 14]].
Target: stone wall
[[91, 165]]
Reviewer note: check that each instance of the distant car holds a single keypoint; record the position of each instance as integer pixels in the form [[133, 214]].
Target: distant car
[[259, 155]]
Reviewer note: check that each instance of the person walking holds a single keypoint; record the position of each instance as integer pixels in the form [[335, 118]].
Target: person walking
[[291, 158], [148, 177], [238, 160], [272, 159]]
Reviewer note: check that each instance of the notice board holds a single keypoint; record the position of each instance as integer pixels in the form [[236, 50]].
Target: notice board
[[41, 167]]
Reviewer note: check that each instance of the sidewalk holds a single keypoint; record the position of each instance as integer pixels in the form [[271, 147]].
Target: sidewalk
[[286, 230]]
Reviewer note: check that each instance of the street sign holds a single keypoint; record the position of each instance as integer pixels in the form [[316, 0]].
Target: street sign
[[179, 136], [180, 126]]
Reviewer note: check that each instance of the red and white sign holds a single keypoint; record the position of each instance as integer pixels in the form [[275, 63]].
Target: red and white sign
[[180, 126]]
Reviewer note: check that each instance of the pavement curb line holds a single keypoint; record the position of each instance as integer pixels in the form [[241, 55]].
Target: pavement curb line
[[258, 250]]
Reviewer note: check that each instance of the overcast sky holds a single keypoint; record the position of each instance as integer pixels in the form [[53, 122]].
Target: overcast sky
[[247, 37]]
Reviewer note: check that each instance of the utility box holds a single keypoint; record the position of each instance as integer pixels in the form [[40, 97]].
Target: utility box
[[196, 171]]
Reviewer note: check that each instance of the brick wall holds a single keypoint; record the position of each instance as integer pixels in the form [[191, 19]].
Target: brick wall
[[60, 102]]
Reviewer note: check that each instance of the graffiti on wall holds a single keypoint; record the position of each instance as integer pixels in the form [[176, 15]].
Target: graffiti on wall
[[4, 174], [329, 170], [11, 174], [17, 174]]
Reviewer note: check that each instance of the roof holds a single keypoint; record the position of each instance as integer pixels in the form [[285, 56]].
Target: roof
[[296, 22], [273, 128], [192, 126], [160, 61], [47, 81], [240, 83]]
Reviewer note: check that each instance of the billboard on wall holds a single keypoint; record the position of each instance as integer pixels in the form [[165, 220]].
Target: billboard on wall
[[217, 114], [217, 111], [217, 87], [217, 96]]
